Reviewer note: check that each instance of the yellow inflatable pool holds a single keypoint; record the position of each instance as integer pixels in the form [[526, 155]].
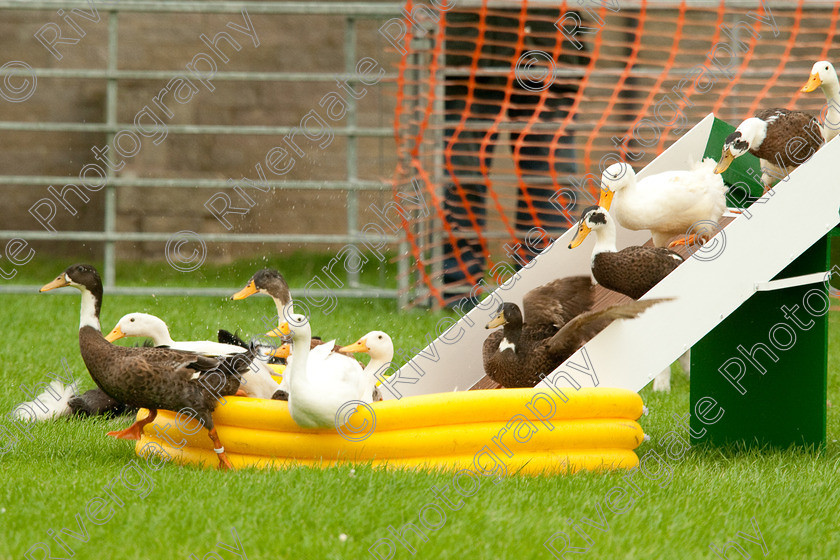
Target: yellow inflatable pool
[[504, 431]]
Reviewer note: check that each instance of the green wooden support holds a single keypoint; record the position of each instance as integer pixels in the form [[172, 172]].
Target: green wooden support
[[780, 339]]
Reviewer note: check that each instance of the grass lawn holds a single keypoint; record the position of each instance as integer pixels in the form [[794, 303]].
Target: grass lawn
[[45, 483]]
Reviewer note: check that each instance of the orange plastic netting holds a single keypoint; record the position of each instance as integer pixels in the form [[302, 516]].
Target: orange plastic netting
[[507, 113]]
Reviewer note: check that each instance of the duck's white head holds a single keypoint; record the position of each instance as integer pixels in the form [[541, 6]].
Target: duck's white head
[[824, 76], [376, 343], [748, 136], [594, 218], [298, 327], [140, 324], [614, 178]]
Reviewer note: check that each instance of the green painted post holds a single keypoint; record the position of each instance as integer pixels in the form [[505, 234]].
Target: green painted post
[[780, 338]]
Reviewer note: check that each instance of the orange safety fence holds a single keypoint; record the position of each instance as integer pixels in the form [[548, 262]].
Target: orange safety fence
[[508, 112]]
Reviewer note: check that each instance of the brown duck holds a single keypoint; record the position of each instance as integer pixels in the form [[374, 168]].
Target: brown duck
[[271, 282], [782, 139], [633, 271], [557, 323], [149, 378]]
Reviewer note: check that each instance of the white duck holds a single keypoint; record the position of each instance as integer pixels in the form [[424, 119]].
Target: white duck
[[257, 384], [668, 204], [824, 76], [380, 347], [321, 382]]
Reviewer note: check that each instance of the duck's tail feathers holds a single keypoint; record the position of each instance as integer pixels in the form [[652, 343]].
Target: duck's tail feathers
[[227, 337], [584, 327], [52, 403]]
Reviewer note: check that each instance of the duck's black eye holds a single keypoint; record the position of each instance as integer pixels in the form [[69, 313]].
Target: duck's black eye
[[132, 319], [380, 337]]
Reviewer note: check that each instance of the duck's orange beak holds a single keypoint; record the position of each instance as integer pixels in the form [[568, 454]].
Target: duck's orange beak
[[813, 83], [726, 159], [281, 351], [59, 282], [115, 334], [282, 330], [358, 346], [248, 290], [606, 198], [582, 232]]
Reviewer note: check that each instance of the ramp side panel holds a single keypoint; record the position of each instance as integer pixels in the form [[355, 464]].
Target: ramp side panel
[[453, 361], [802, 210]]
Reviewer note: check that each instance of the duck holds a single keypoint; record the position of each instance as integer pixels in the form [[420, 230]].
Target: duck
[[668, 204], [151, 378], [768, 136], [319, 389], [557, 322], [379, 346], [823, 76], [256, 382], [270, 282], [633, 271]]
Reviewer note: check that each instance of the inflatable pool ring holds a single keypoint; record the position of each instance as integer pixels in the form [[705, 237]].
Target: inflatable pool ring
[[529, 431]]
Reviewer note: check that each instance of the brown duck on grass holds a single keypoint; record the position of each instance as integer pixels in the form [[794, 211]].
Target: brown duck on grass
[[633, 271], [557, 323], [270, 282], [780, 138], [150, 378]]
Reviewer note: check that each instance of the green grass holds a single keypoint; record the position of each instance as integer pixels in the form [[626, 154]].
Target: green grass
[[301, 513]]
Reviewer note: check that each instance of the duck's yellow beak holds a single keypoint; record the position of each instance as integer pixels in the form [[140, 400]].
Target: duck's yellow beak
[[281, 351], [497, 321], [582, 232], [726, 159], [248, 290], [277, 333], [282, 330], [59, 282], [358, 346], [813, 83], [115, 334], [606, 198]]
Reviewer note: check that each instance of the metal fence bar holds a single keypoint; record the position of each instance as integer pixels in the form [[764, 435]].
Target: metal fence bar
[[101, 74], [111, 75], [111, 99], [368, 9], [380, 293], [201, 183], [183, 128], [115, 236], [352, 152]]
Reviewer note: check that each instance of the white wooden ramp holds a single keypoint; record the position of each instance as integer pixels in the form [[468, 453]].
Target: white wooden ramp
[[630, 353]]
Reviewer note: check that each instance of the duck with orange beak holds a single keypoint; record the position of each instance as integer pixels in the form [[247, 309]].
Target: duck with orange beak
[[380, 347], [322, 384], [667, 204], [781, 139], [150, 378], [823, 76]]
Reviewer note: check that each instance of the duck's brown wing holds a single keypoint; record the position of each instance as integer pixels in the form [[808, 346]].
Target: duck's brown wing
[[170, 363], [557, 302], [782, 126], [633, 271], [583, 328]]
